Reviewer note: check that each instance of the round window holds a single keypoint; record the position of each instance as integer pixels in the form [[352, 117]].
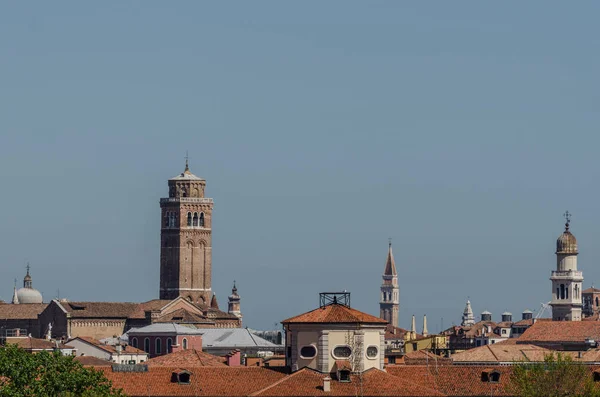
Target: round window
[[342, 351], [372, 351], [308, 351]]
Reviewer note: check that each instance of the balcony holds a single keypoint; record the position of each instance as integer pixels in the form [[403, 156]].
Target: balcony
[[188, 200], [574, 275]]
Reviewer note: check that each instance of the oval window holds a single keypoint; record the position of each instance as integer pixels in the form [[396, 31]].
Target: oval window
[[308, 351], [342, 351], [372, 351]]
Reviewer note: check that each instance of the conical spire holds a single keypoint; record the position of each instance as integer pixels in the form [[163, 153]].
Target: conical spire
[[390, 264], [425, 331], [15, 298], [213, 303], [187, 167], [468, 319]]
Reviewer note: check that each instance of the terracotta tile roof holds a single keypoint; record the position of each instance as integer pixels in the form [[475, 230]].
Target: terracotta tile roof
[[521, 323], [501, 353], [8, 311], [204, 381], [424, 357], [214, 313], [187, 359], [182, 316], [455, 380], [561, 331], [29, 343], [308, 382], [108, 348], [99, 309], [392, 333], [590, 290], [335, 313], [155, 304], [91, 361], [342, 365], [478, 328]]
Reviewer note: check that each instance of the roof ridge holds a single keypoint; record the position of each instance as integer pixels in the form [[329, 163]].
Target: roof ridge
[[302, 370], [491, 351]]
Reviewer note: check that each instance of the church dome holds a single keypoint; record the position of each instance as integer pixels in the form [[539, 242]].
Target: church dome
[[29, 295], [566, 243]]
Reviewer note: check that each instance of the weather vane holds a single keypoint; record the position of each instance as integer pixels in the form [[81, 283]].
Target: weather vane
[[567, 216], [390, 241]]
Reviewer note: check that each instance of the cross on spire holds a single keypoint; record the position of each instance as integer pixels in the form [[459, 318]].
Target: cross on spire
[[567, 216], [187, 168], [390, 241], [28, 268]]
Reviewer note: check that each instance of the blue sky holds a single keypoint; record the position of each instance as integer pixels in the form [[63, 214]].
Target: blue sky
[[462, 130]]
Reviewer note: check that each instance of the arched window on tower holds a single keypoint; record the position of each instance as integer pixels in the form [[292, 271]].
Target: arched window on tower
[[195, 221], [167, 215], [597, 301], [202, 219], [189, 219], [557, 293], [567, 292], [562, 291]]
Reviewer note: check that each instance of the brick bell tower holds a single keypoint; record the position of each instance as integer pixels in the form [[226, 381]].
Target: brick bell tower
[[185, 240]]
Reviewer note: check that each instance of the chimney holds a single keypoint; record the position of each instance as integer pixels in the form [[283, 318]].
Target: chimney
[[118, 348], [425, 332], [327, 384], [234, 358]]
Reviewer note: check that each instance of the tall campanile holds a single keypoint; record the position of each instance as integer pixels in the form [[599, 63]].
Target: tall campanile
[[389, 303], [185, 240]]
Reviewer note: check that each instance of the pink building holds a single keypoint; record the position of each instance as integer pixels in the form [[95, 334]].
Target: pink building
[[164, 338]]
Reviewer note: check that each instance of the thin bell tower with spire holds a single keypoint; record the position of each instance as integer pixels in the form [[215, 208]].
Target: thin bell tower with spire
[[186, 239], [389, 303], [566, 279]]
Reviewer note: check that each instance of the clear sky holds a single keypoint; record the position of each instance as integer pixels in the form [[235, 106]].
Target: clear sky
[[461, 130]]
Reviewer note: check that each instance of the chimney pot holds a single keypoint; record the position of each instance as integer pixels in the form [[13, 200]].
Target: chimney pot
[[327, 384]]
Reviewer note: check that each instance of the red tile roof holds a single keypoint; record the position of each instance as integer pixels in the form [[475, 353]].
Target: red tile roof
[[424, 357], [455, 380], [501, 353], [109, 348], [29, 311], [91, 361], [392, 333], [374, 382], [561, 331], [335, 313], [204, 381], [29, 343], [99, 309], [187, 358]]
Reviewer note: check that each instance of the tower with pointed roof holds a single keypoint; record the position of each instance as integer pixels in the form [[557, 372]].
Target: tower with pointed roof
[[389, 303], [468, 319], [186, 240], [234, 303], [566, 279]]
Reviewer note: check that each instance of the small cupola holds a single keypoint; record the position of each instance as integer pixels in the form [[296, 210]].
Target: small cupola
[[566, 242]]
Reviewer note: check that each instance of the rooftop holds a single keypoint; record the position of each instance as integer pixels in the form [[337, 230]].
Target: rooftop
[[561, 331], [187, 359], [335, 313]]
